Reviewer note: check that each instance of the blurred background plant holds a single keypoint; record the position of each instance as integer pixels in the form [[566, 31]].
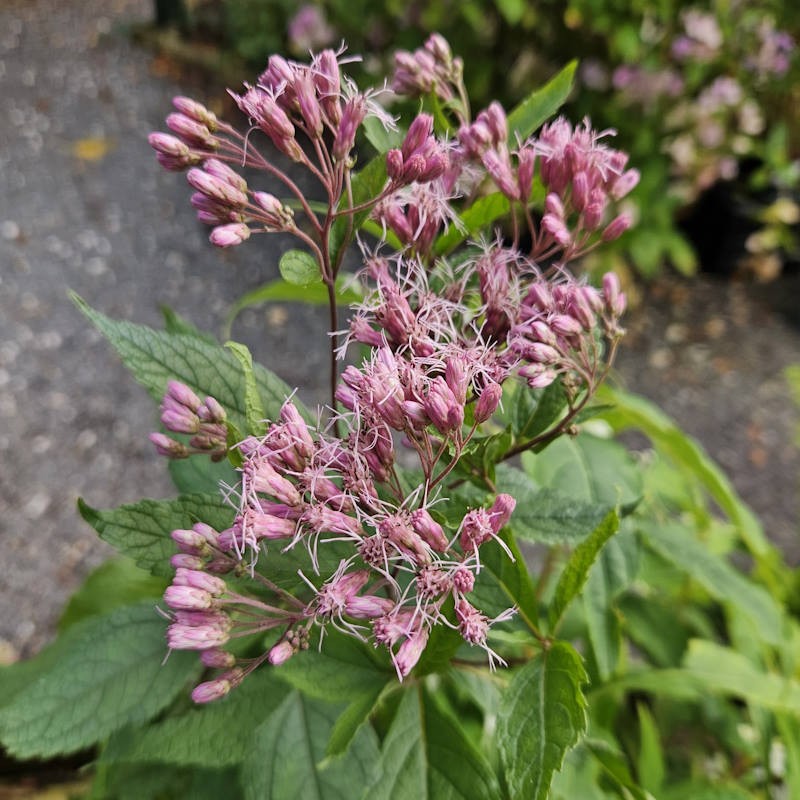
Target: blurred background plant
[[713, 87]]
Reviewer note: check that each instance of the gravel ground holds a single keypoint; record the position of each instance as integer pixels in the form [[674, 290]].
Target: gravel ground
[[85, 208]]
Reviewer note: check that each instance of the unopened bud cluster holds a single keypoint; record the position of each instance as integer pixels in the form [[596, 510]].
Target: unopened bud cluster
[[182, 411]]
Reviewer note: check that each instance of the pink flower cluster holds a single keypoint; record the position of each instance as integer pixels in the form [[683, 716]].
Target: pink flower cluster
[[383, 565]]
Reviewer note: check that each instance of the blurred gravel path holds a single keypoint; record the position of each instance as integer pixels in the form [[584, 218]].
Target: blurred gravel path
[[84, 207]]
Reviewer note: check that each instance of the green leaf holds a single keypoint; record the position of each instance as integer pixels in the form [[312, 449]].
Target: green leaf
[[142, 530], [299, 268], [512, 10], [155, 357], [366, 185], [342, 670], [112, 675], [789, 729], [254, 411], [723, 670], [281, 291], [482, 213], [118, 582], [287, 757], [380, 138], [546, 515], [216, 735], [200, 475], [536, 410], [426, 755], [174, 323], [615, 766], [678, 546], [650, 764], [503, 583], [537, 108], [351, 720], [602, 622], [589, 469], [632, 411], [574, 575], [542, 716]]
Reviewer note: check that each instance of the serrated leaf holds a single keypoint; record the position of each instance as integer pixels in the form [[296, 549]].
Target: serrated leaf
[[216, 735], [546, 515], [426, 755], [482, 213], [542, 716], [254, 411], [112, 675], [299, 268], [286, 758], [538, 107], [154, 357], [142, 530], [118, 582], [679, 547], [342, 670], [576, 571]]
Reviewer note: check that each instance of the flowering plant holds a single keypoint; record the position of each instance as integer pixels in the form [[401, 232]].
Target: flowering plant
[[343, 593]]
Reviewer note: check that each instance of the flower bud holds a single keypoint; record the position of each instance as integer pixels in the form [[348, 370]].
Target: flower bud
[[211, 690], [617, 227], [192, 132], [219, 169], [199, 580], [488, 402], [187, 598], [217, 659], [280, 653], [194, 110], [429, 530], [229, 235], [168, 447]]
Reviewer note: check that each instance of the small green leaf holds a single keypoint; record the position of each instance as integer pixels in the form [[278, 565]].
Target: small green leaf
[[254, 411], [118, 582], [680, 547], [281, 291], [602, 622], [536, 109], [112, 675], [542, 716], [142, 530], [174, 323], [380, 138], [650, 764], [536, 410], [426, 755], [287, 756], [299, 268], [576, 571], [482, 213]]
